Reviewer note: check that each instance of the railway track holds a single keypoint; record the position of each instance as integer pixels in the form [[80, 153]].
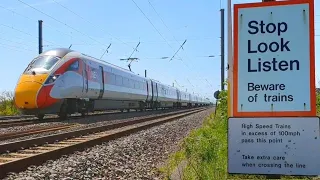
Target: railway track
[[21, 122], [38, 150], [15, 117], [18, 134]]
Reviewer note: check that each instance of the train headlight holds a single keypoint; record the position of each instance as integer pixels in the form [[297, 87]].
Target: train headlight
[[51, 79]]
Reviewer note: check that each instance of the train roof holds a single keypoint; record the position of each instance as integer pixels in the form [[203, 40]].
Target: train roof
[[60, 52]]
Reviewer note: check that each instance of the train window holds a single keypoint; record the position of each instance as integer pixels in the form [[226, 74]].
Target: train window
[[74, 66], [118, 80], [131, 84], [112, 78], [136, 84], [126, 82], [46, 62]]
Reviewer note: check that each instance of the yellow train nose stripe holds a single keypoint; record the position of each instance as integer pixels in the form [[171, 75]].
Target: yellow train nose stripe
[[27, 90]]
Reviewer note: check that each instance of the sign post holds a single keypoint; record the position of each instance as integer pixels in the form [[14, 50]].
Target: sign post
[[274, 128]]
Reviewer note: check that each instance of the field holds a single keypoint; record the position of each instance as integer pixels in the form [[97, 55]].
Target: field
[[204, 152]]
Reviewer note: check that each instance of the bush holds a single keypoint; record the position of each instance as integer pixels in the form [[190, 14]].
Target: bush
[[205, 150], [7, 106]]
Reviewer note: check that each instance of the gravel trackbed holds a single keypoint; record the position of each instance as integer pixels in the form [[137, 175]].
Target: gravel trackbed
[[136, 156]]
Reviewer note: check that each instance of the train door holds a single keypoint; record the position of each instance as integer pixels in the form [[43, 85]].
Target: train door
[[157, 92], [147, 90], [101, 82], [85, 78], [152, 91], [178, 95]]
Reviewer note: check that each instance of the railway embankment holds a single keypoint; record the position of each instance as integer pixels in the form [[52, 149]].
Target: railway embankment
[[203, 153]]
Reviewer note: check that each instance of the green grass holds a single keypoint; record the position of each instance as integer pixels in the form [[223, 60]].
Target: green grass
[[7, 106], [205, 150]]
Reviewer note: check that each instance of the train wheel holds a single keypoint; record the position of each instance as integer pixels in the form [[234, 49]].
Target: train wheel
[[63, 116], [40, 116], [63, 111], [83, 114]]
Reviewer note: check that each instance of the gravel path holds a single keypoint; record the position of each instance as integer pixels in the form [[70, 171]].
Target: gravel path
[[87, 122], [136, 156]]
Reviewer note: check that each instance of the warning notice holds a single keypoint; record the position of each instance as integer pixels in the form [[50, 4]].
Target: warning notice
[[274, 146], [274, 68]]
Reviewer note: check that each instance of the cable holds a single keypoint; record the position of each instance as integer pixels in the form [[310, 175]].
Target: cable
[[152, 42], [14, 12], [161, 19], [63, 23], [7, 45], [151, 22], [15, 42], [90, 22], [11, 27], [169, 29], [45, 24]]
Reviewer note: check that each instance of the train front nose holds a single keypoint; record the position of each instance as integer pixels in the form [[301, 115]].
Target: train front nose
[[26, 91]]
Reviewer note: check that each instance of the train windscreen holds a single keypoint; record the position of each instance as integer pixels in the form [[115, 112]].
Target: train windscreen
[[45, 62]]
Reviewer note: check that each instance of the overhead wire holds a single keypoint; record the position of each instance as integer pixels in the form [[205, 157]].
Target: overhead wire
[[161, 19], [91, 23], [16, 47], [152, 24], [157, 29], [154, 42], [26, 42], [23, 32], [15, 42], [64, 23], [171, 31], [31, 19], [162, 35]]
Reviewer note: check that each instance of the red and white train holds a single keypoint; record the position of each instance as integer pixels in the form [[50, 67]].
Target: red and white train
[[62, 81]]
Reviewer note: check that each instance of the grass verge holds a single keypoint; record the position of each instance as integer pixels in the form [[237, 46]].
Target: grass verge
[[7, 106], [205, 150]]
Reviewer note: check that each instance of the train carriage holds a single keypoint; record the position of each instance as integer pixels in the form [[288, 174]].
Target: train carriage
[[62, 81]]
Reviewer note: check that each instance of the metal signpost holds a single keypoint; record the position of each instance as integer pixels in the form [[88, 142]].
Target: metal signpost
[[273, 128]]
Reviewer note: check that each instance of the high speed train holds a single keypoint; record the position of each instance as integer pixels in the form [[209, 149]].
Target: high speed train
[[63, 81]]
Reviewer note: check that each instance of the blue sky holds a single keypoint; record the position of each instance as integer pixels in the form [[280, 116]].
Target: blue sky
[[121, 23]]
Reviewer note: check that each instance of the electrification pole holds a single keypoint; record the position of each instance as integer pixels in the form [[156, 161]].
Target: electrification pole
[[222, 49], [40, 36]]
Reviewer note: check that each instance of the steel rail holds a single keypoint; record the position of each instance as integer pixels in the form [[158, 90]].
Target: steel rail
[[18, 134], [63, 144], [19, 122]]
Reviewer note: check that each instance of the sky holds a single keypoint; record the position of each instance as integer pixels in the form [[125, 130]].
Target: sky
[[161, 27]]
